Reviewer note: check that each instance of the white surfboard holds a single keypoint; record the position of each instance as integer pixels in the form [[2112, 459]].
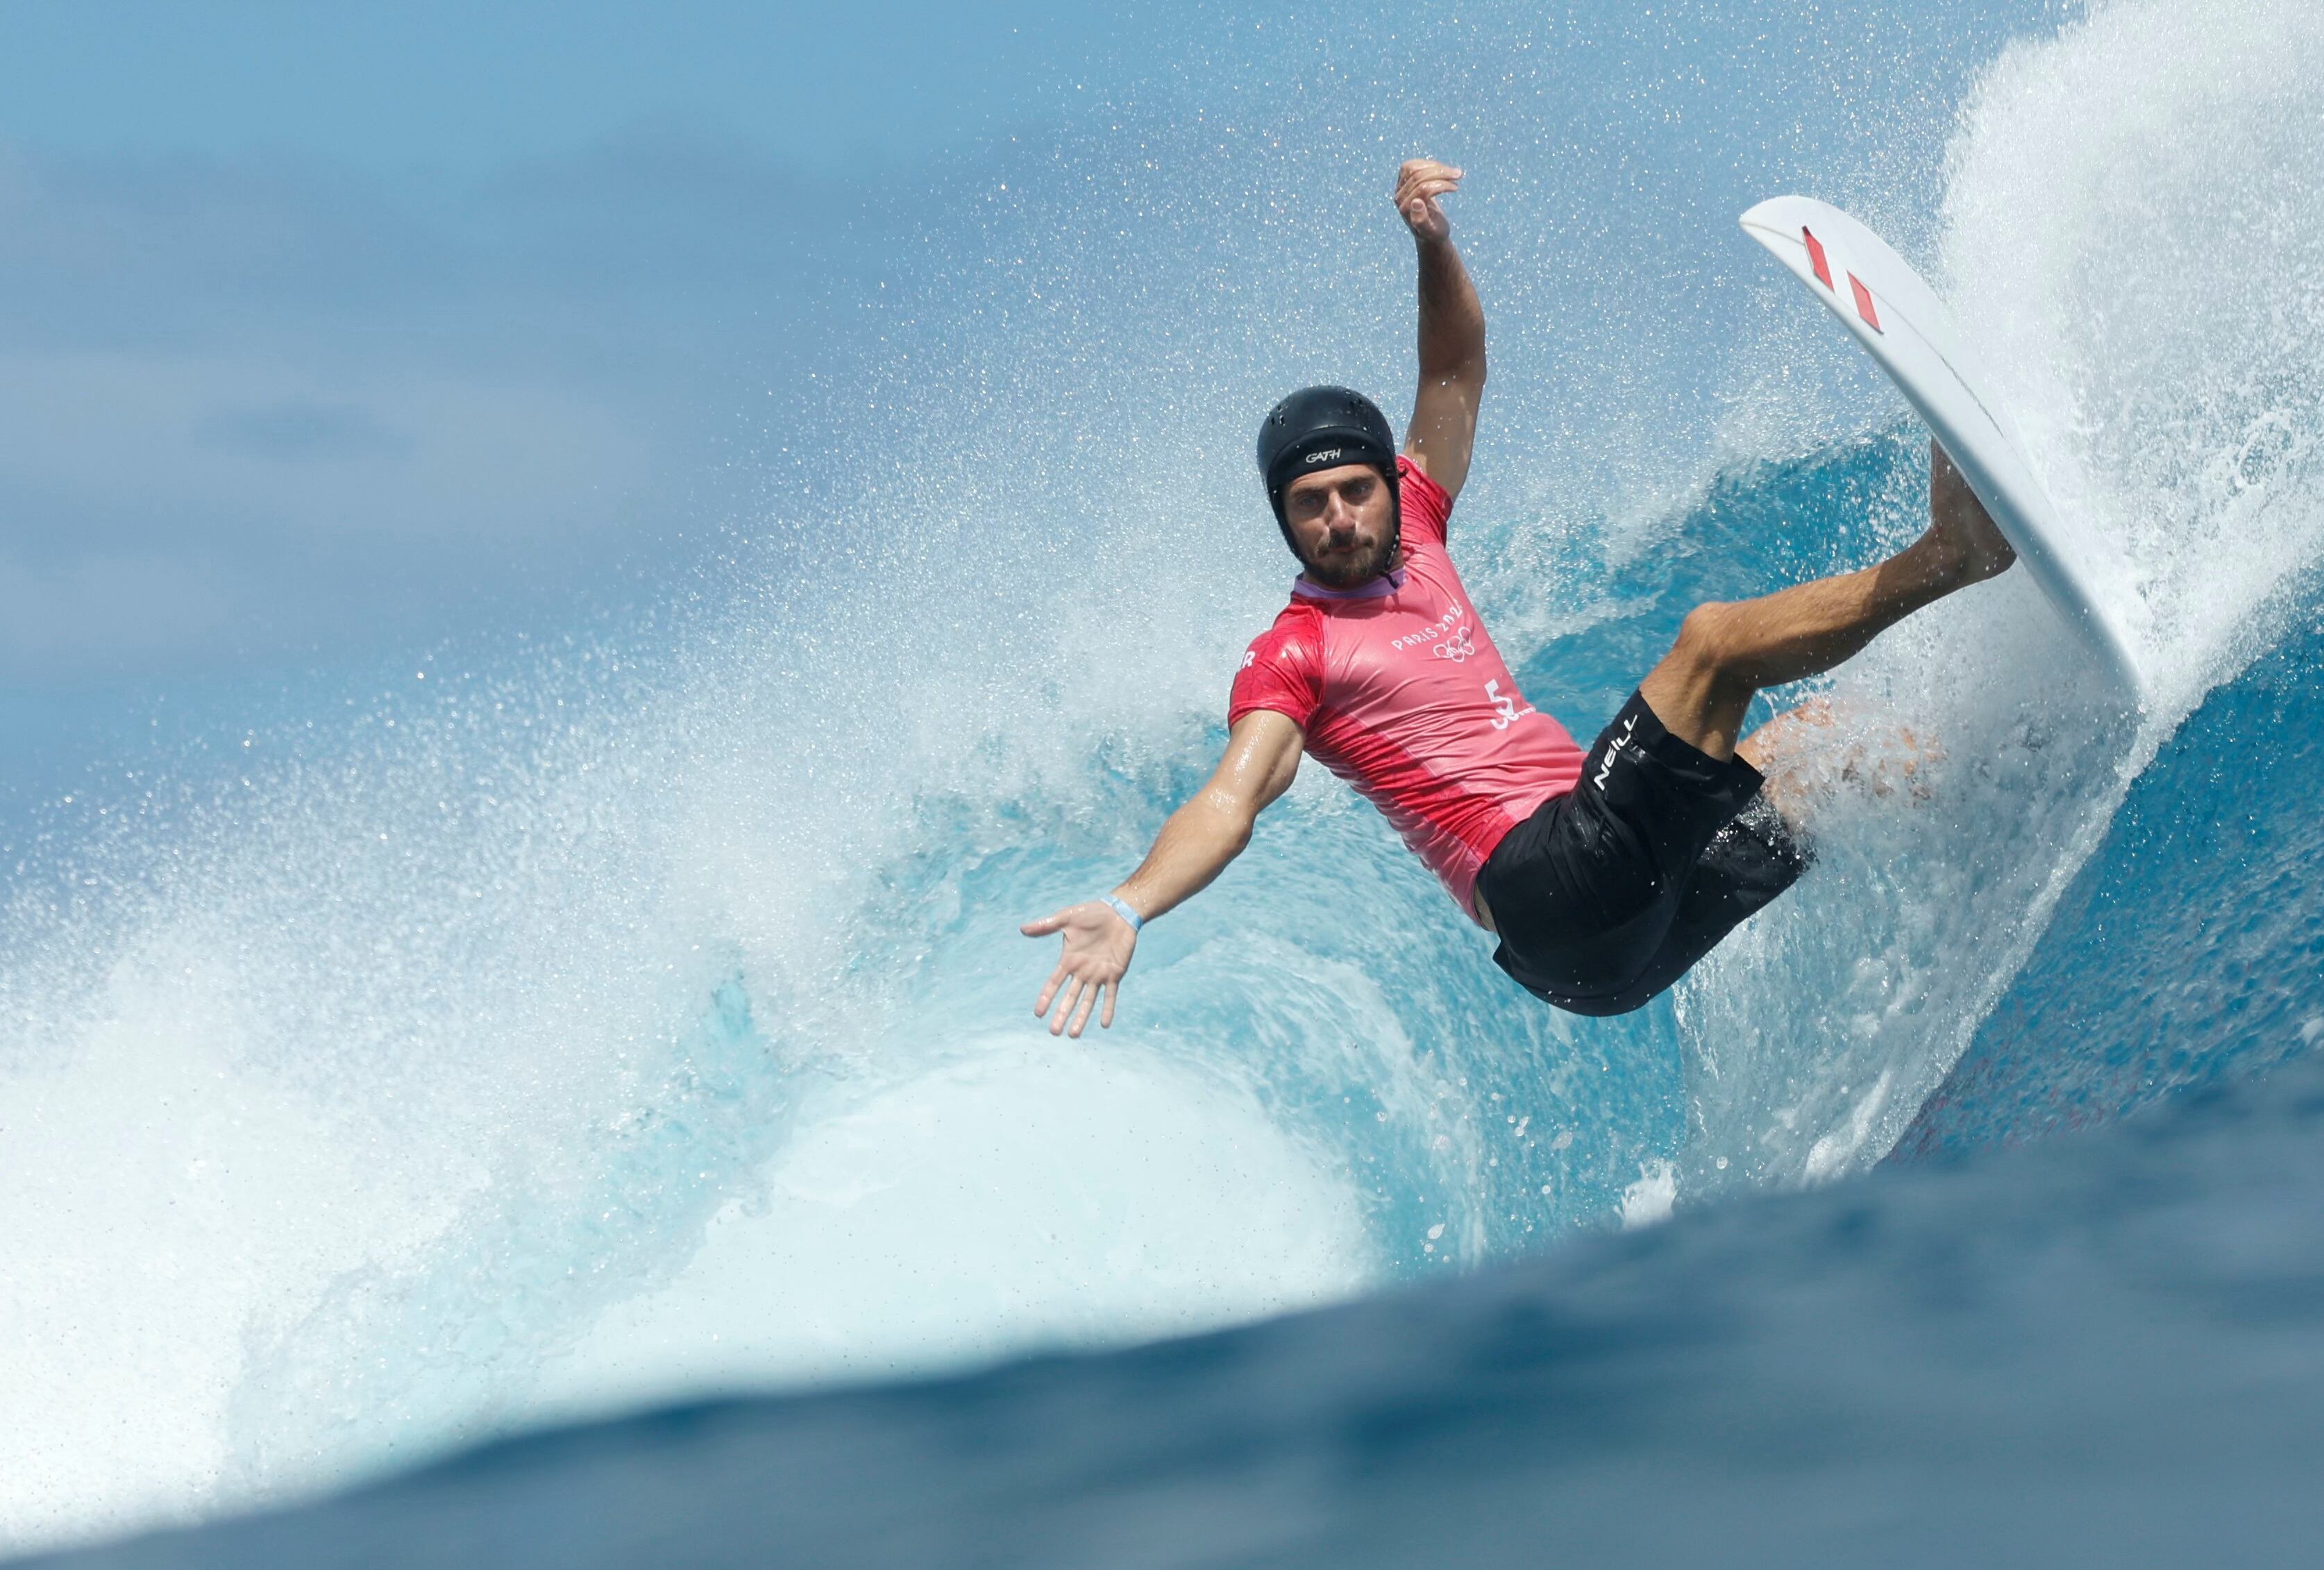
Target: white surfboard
[[1903, 325]]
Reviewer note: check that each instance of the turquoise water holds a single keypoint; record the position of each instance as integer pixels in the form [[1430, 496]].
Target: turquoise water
[[2188, 955], [556, 1028]]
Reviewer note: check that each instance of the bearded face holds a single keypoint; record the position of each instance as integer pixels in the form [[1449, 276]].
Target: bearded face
[[1343, 523]]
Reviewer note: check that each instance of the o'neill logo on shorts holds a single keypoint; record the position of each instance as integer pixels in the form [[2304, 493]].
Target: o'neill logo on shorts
[[1613, 751]]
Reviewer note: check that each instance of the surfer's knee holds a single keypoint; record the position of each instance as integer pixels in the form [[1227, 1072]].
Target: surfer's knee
[[1701, 689], [1710, 648]]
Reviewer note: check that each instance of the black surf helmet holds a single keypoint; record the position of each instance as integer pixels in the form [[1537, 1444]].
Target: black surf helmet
[[1322, 428]]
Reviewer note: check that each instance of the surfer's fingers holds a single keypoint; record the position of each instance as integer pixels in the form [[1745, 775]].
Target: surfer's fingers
[[1082, 1014], [1414, 168], [1057, 980], [1065, 1007], [1044, 926], [1421, 212], [1407, 196], [1112, 996]]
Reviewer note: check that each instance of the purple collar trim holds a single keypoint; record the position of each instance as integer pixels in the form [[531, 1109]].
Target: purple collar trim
[[1380, 587]]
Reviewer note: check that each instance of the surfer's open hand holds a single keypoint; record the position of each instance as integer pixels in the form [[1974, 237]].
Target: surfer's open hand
[[1418, 184], [1097, 947]]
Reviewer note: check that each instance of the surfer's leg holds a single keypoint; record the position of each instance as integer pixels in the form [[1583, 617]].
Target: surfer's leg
[[1775, 748], [1726, 652], [1808, 752], [1755, 857], [1583, 893]]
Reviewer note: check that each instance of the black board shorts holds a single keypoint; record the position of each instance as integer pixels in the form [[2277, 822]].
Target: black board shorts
[[1610, 892]]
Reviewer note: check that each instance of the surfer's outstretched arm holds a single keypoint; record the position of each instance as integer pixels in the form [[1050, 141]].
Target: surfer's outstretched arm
[[1443, 426], [1195, 847]]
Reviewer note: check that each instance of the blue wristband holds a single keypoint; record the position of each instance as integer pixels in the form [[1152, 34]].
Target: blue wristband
[[1122, 909]]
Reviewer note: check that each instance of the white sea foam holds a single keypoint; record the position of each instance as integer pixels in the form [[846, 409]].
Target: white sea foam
[[1130, 1197], [1653, 1196]]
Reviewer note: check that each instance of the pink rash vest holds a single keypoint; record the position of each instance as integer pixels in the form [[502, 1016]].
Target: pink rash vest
[[1402, 693]]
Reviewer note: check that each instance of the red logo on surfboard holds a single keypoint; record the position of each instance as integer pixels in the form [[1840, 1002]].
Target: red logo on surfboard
[[1864, 302], [1822, 266], [1815, 257]]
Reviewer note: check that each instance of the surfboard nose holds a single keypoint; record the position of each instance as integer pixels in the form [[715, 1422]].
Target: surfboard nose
[[1889, 309]]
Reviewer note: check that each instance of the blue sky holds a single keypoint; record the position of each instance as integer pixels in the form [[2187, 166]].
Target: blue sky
[[328, 330], [464, 89]]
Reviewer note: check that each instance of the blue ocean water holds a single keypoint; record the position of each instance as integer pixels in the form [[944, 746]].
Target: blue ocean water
[[2187, 954], [574, 1028], [2097, 1351]]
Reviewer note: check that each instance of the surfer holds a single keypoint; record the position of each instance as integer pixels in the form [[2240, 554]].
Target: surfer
[[1605, 875]]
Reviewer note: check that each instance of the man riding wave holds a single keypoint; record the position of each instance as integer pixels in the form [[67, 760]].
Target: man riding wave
[[1604, 875]]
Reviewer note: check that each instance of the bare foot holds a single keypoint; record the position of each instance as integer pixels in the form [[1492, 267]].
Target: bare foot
[[1961, 533]]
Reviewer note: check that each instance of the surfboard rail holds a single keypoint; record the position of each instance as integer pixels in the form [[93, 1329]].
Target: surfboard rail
[[1887, 308]]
